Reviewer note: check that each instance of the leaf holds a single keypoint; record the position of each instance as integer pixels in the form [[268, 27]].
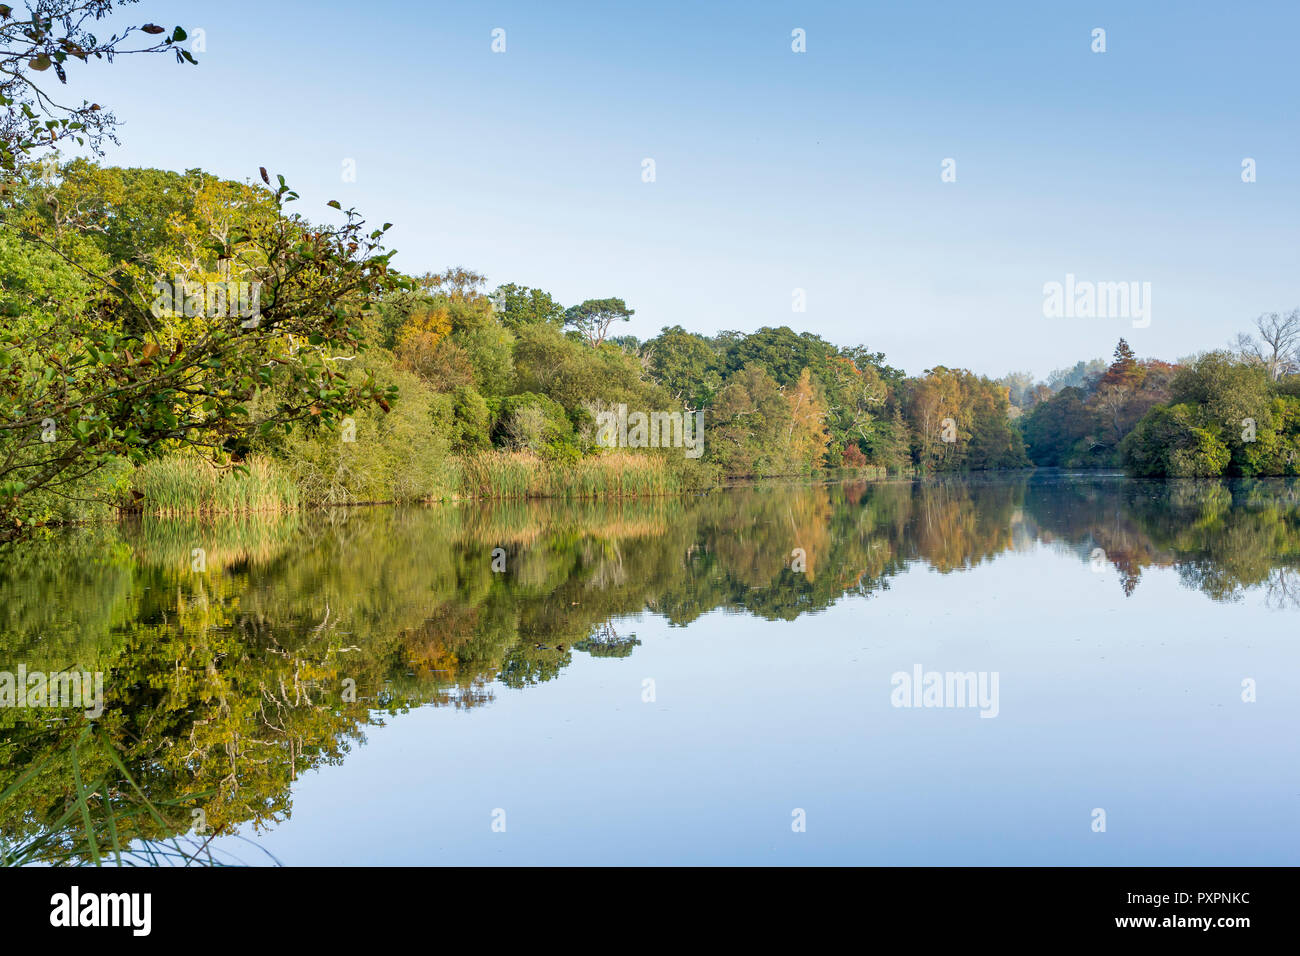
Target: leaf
[[39, 63], [178, 35], [265, 178], [334, 204], [152, 28]]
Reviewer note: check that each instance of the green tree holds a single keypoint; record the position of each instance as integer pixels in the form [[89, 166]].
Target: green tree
[[592, 318], [685, 364], [1169, 442], [129, 378], [748, 427], [517, 306]]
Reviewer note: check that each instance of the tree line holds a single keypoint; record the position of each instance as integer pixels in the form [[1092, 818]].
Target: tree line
[[130, 337], [1229, 412], [431, 370]]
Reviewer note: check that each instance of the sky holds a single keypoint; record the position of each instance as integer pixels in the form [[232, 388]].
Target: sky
[[775, 170]]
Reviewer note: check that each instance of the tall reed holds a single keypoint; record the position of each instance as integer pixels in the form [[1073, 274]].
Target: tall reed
[[617, 474], [186, 484]]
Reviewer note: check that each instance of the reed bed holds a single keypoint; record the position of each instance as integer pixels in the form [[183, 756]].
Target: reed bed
[[495, 475], [186, 485]]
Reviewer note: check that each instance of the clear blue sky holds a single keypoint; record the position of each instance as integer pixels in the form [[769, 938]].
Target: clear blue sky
[[776, 170]]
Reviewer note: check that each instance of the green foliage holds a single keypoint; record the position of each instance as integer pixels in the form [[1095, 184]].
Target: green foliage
[[57, 34], [746, 425], [591, 319], [400, 455], [518, 306], [1226, 390], [686, 364], [471, 424], [552, 364], [126, 376], [782, 352], [1056, 431], [1083, 424], [1227, 417], [537, 424], [1170, 442], [40, 286]]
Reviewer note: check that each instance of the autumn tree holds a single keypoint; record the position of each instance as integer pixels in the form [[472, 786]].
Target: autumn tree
[[806, 435]]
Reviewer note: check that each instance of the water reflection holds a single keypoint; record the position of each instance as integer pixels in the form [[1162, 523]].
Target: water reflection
[[297, 634]]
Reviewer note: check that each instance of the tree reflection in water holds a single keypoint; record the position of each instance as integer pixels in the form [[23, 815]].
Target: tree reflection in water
[[302, 631]]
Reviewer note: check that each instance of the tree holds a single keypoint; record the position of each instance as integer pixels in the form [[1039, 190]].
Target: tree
[[1278, 350], [471, 421], [852, 396], [1125, 372], [960, 420], [749, 424], [684, 363], [125, 377], [1019, 387], [535, 423], [1226, 389], [806, 436], [56, 33], [118, 376], [783, 352], [1169, 442], [1080, 376], [455, 283], [1055, 428], [593, 318], [516, 306]]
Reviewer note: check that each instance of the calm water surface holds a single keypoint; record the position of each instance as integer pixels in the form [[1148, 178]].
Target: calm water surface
[[653, 682]]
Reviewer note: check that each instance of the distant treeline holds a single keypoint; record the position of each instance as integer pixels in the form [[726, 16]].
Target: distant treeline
[[1232, 412]]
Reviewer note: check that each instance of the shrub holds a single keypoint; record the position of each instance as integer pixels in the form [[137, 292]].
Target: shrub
[[535, 423], [401, 455], [1169, 442], [853, 457]]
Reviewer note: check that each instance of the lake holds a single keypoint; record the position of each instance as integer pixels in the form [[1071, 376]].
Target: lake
[[1044, 669]]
